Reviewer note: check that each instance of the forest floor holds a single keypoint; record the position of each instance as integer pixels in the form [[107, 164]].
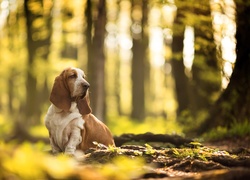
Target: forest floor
[[175, 157]]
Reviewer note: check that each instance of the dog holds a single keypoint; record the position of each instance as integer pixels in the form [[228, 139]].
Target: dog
[[69, 119]]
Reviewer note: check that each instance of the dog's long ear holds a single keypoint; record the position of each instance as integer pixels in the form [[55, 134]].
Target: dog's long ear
[[84, 105], [60, 95]]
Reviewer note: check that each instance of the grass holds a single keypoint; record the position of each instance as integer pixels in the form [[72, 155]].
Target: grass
[[237, 129], [122, 124]]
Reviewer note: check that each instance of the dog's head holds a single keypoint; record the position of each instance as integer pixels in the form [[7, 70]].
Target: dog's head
[[69, 86]]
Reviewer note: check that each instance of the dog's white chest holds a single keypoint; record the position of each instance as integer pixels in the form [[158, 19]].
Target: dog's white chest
[[56, 121]]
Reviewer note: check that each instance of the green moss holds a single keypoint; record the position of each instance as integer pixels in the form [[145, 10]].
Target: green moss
[[198, 152]]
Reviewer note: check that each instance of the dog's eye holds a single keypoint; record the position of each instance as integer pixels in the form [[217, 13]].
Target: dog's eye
[[72, 76]]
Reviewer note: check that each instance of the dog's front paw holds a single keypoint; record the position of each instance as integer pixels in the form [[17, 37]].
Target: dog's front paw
[[70, 151]]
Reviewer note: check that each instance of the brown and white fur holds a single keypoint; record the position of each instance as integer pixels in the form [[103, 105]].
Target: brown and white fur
[[69, 120]]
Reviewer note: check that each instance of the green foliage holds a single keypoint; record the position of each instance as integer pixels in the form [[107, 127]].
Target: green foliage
[[30, 161], [199, 152], [237, 129], [196, 144], [240, 129], [123, 167], [114, 149], [189, 122], [123, 124], [149, 149]]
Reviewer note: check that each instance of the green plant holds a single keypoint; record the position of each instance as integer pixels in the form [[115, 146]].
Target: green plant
[[240, 129], [149, 150], [202, 153], [237, 129]]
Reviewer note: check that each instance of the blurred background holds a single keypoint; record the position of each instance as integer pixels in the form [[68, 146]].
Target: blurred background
[[153, 65]]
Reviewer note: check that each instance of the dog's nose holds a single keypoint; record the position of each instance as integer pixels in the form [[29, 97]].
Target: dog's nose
[[86, 85]]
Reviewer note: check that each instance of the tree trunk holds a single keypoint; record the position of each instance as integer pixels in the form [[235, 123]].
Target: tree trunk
[[88, 35], [31, 82], [206, 81], [33, 102], [234, 103], [181, 80], [96, 63], [11, 91], [117, 86], [138, 61]]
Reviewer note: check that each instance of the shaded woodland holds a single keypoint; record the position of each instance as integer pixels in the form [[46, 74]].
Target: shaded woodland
[[143, 59], [161, 74]]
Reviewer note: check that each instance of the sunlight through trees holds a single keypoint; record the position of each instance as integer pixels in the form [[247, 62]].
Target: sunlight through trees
[[144, 59]]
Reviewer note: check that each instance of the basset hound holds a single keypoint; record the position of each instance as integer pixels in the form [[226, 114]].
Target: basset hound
[[69, 120]]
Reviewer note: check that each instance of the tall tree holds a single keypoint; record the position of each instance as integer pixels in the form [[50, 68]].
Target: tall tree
[[38, 37], [206, 74], [234, 103], [88, 33], [96, 69], [31, 90], [181, 80], [139, 17], [197, 92]]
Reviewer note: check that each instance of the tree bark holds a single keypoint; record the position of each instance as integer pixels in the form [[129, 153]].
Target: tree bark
[[31, 96], [206, 74], [88, 35], [234, 103], [181, 80], [138, 62], [96, 63], [32, 111]]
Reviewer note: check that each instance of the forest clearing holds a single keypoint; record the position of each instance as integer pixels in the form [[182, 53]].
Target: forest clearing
[[169, 78]]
